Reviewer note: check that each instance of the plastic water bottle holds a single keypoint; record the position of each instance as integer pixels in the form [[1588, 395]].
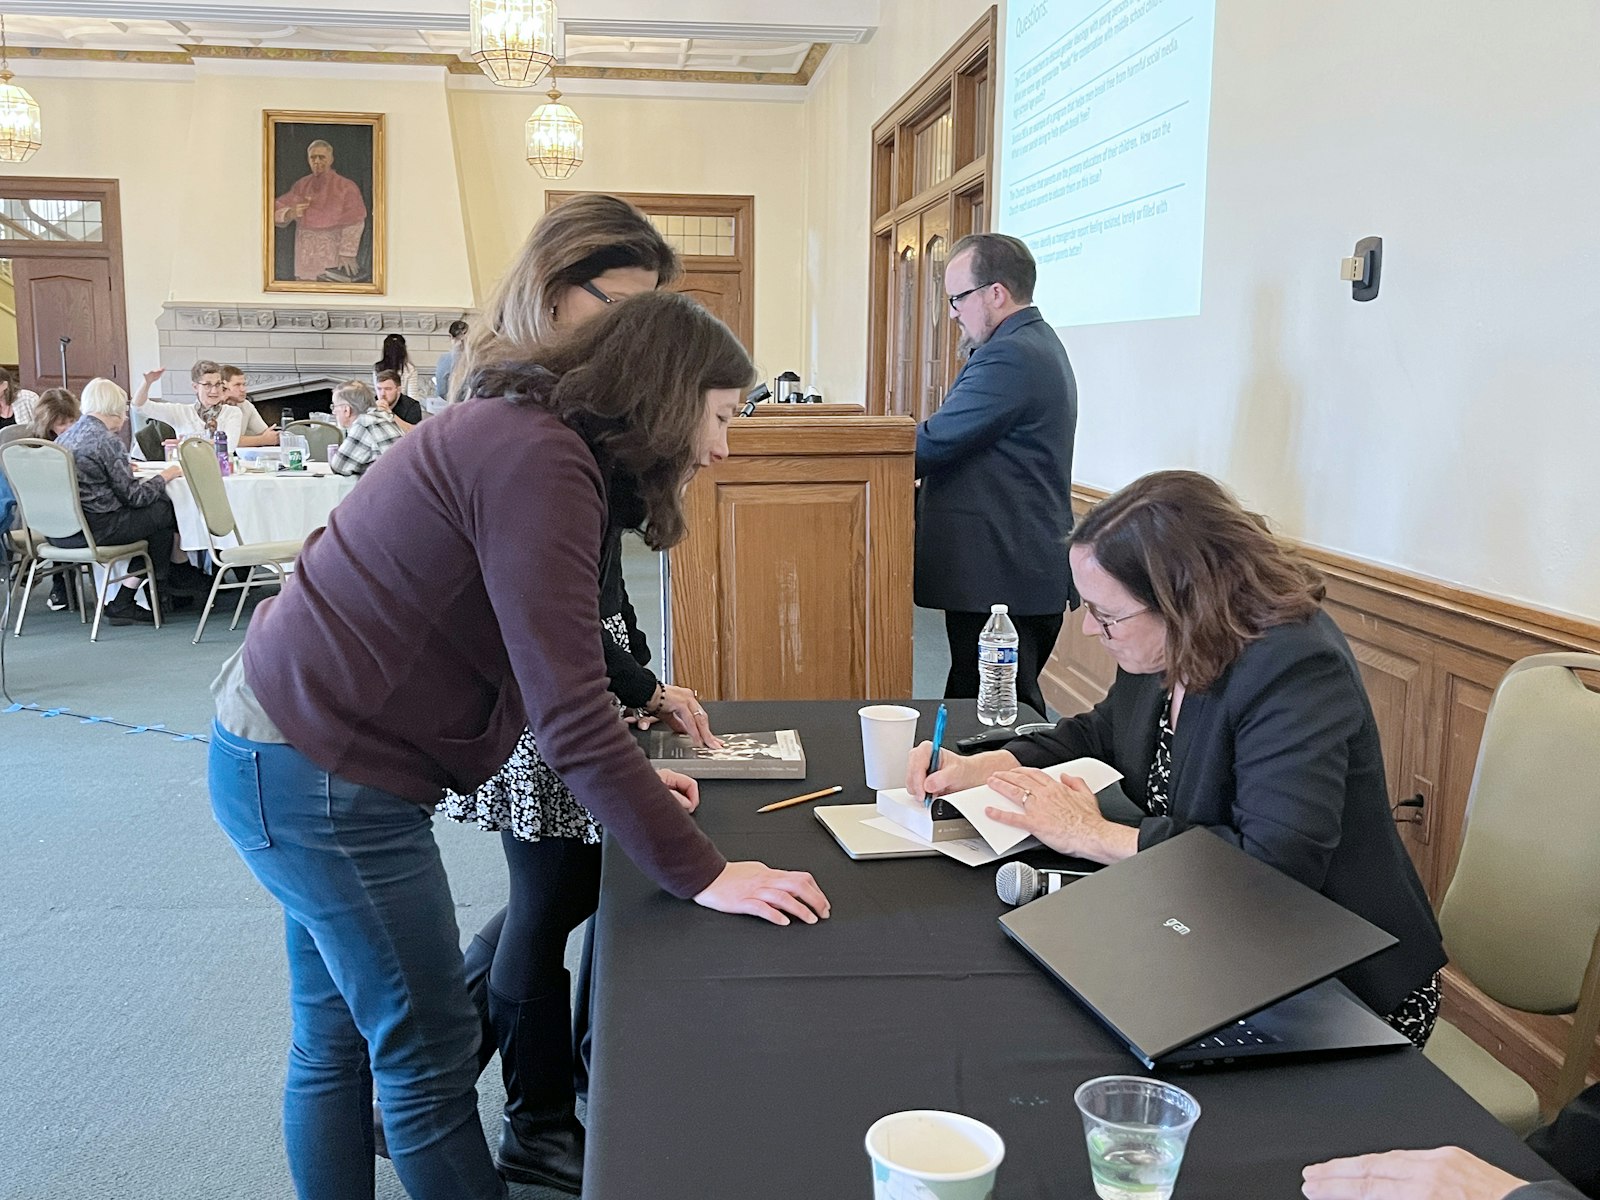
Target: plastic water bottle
[[997, 669], [220, 441]]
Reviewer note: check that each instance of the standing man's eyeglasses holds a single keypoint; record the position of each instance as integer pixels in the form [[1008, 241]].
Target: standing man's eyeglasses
[[588, 286], [1107, 625], [960, 296]]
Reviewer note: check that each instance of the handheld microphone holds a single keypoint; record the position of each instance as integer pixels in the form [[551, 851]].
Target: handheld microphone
[[1017, 883]]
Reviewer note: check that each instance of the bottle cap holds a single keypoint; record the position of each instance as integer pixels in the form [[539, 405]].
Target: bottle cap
[[998, 608]]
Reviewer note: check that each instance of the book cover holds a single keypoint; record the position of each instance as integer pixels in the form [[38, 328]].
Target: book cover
[[773, 755]]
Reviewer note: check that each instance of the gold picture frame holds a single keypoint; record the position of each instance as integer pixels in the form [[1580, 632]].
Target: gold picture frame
[[324, 224]]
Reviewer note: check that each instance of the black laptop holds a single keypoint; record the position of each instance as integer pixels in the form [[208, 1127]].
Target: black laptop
[[1196, 954]]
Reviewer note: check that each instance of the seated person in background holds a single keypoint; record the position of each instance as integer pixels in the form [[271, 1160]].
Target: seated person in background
[[1237, 707], [253, 431], [1571, 1144], [48, 417], [209, 412], [119, 508], [52, 414], [8, 400], [369, 429], [447, 360], [407, 411]]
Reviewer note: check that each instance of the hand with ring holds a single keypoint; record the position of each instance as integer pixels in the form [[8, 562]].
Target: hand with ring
[[681, 709], [1063, 814]]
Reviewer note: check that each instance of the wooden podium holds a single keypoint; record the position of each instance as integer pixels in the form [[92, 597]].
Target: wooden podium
[[795, 580]]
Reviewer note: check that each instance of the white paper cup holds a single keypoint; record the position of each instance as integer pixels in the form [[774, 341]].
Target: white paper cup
[[888, 731], [926, 1154]]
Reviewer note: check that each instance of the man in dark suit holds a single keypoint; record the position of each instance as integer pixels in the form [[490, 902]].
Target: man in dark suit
[[996, 468]]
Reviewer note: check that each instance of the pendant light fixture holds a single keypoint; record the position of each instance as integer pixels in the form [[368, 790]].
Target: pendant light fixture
[[513, 41], [19, 113], [555, 138]]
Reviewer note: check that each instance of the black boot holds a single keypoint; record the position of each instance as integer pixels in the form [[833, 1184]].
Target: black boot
[[541, 1141]]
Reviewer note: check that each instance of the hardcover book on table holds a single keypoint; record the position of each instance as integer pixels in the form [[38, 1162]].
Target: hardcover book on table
[[773, 755]]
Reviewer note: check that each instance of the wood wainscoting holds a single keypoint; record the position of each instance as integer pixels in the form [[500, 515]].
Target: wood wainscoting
[[1431, 655]]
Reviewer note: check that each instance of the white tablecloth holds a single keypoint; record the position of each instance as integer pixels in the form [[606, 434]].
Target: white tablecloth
[[269, 508]]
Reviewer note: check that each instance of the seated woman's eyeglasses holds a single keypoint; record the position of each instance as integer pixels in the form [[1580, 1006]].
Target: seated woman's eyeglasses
[[1107, 624], [588, 286]]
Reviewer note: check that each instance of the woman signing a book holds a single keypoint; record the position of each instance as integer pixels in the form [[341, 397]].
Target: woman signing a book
[[1237, 706]]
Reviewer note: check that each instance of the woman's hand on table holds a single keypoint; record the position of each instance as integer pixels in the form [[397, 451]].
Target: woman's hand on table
[[1448, 1173], [757, 890], [1063, 814], [681, 709], [172, 472], [956, 773], [685, 791]]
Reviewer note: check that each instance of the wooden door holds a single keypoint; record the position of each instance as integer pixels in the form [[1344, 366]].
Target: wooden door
[[72, 298], [903, 343], [720, 291], [938, 330]]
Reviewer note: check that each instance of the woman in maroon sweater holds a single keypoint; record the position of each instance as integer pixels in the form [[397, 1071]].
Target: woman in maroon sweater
[[406, 658]]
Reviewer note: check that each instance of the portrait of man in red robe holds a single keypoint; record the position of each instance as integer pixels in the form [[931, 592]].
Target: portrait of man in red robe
[[328, 217]]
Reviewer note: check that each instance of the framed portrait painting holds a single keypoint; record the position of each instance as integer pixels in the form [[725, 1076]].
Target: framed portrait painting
[[323, 224]]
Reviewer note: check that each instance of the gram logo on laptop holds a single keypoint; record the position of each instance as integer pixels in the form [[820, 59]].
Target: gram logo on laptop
[[1174, 923]]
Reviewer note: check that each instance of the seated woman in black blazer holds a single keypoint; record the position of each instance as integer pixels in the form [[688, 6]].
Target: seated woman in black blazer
[[1237, 706]]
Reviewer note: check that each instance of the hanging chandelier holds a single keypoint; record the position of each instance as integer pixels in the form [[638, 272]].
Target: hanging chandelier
[[513, 41], [19, 112], [555, 138]]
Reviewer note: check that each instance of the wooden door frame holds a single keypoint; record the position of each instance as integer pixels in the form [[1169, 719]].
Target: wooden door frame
[[109, 248], [743, 262]]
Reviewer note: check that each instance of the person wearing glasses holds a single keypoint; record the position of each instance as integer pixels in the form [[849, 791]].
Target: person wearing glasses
[[1237, 707], [210, 411], [995, 469]]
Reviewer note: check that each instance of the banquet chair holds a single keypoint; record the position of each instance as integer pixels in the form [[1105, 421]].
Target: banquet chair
[[318, 435], [200, 468], [43, 476], [151, 438], [1521, 918]]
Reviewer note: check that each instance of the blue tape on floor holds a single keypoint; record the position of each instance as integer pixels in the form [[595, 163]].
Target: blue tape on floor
[[171, 734]]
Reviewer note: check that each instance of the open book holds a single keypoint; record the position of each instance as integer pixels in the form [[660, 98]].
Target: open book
[[774, 755], [899, 812]]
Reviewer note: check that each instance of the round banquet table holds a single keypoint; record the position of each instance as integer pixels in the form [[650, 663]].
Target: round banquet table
[[270, 507]]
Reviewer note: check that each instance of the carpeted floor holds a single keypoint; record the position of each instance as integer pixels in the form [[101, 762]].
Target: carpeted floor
[[143, 1022]]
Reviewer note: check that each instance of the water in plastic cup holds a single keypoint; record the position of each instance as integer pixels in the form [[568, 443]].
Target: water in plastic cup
[[1136, 1130], [888, 731], [926, 1154]]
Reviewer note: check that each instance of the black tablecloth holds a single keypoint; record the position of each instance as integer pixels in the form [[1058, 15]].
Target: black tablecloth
[[737, 1059]]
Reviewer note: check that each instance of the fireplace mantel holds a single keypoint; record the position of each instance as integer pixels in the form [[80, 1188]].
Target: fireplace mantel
[[285, 349]]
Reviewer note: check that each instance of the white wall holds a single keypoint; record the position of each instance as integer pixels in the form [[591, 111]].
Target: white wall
[[647, 144], [1449, 427]]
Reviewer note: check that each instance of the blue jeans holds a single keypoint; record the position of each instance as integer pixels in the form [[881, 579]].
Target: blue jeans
[[375, 973]]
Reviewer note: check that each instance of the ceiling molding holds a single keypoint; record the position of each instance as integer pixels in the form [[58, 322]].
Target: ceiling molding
[[414, 16], [447, 62], [715, 30]]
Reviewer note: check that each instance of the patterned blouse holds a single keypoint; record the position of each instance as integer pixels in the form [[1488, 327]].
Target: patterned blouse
[[1160, 785], [105, 480]]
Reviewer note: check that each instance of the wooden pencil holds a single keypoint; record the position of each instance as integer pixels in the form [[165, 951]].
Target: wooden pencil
[[835, 789]]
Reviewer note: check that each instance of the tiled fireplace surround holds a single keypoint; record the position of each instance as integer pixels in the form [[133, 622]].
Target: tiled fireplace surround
[[288, 349]]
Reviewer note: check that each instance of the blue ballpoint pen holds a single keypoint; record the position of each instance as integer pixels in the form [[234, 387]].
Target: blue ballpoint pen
[[933, 759]]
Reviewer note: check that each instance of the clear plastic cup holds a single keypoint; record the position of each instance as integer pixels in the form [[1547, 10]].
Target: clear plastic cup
[[1137, 1130]]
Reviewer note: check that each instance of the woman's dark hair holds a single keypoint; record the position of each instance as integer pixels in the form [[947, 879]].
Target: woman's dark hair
[[633, 382], [1219, 578], [394, 356], [458, 329], [53, 406], [9, 382]]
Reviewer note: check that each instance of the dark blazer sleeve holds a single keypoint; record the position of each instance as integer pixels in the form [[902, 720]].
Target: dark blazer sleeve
[[1293, 724], [1550, 1189], [1570, 1144], [988, 398], [1087, 735], [631, 681]]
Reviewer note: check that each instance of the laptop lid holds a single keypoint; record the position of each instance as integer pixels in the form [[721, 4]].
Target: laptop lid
[[1181, 939]]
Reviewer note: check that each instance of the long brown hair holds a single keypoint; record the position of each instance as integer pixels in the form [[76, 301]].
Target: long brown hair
[[633, 382], [578, 241], [1219, 578], [51, 408]]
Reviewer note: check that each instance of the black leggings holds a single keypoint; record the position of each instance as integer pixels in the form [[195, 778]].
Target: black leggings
[[554, 888]]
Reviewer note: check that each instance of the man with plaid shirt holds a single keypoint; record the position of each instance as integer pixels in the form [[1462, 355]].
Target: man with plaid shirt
[[370, 429]]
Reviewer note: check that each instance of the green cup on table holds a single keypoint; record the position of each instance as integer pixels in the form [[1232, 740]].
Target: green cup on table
[[1137, 1130]]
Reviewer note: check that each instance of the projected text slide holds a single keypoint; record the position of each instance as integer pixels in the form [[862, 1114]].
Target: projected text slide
[[1103, 153]]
